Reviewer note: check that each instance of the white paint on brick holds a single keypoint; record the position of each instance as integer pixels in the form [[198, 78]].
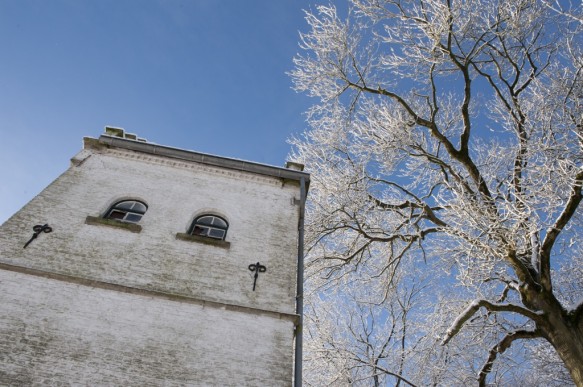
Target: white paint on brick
[[54, 333]]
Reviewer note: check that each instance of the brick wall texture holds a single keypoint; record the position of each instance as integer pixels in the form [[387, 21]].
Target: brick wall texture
[[68, 310]]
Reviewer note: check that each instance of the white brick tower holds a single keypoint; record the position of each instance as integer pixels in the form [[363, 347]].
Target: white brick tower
[[150, 265]]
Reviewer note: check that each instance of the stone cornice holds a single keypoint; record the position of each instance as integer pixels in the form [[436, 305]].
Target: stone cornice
[[174, 163], [222, 163], [128, 154]]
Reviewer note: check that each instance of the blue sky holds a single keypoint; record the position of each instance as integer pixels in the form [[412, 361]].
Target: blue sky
[[205, 75]]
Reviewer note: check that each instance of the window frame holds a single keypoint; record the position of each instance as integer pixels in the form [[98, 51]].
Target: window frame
[[209, 228], [128, 213]]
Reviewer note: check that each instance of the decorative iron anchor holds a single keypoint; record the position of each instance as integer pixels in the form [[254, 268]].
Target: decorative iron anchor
[[37, 230], [257, 268]]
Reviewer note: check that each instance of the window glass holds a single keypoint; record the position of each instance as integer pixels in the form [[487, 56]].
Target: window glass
[[125, 205], [208, 220], [218, 222], [198, 230], [133, 217], [214, 233], [139, 207], [114, 214]]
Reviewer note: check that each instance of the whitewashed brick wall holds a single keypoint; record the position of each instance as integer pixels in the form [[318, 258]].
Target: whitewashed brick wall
[[56, 331]]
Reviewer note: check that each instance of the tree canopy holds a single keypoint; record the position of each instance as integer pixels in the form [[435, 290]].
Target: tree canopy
[[444, 222]]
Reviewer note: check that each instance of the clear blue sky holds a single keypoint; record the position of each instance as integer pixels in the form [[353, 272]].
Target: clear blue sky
[[204, 75]]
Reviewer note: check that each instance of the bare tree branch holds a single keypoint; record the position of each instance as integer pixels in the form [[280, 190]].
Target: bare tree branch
[[499, 348], [475, 306]]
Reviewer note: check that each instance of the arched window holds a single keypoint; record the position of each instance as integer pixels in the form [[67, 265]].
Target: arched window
[[210, 226], [127, 211]]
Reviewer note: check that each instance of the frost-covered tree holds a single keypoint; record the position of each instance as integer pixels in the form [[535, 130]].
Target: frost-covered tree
[[365, 337], [447, 137]]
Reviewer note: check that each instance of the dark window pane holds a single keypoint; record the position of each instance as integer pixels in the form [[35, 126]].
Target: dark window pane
[[218, 222], [133, 217], [215, 233], [199, 230], [139, 207], [125, 205], [114, 214], [207, 220]]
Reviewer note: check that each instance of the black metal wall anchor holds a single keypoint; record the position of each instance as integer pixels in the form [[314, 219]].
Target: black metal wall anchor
[[257, 268], [37, 230]]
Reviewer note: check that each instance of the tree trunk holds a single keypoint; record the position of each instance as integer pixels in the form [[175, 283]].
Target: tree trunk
[[565, 332]]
